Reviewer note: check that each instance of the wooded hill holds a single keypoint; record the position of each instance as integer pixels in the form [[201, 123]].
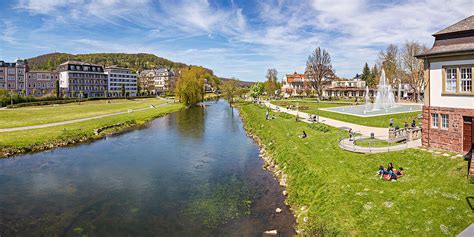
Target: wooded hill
[[138, 61]]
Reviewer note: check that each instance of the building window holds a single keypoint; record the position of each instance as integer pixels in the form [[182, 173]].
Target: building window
[[451, 78], [445, 121], [466, 79], [434, 120]]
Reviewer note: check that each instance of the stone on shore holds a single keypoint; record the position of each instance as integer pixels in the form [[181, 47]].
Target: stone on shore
[[269, 233], [278, 210]]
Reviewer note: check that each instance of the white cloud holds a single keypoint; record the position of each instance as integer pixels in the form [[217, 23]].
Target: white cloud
[[8, 34], [285, 34]]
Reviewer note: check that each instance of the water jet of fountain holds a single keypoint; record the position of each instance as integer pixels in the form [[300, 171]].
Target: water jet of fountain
[[385, 98], [367, 103]]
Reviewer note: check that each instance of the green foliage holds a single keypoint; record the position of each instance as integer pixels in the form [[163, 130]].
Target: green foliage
[[190, 86], [230, 89], [336, 192], [365, 73], [374, 75], [135, 62], [256, 90]]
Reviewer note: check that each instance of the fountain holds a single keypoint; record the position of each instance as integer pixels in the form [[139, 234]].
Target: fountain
[[368, 105], [384, 103], [385, 98]]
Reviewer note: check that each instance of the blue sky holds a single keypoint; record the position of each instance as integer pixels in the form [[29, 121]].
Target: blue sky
[[234, 38]]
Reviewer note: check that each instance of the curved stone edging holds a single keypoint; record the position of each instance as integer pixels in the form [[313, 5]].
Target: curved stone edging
[[349, 145]]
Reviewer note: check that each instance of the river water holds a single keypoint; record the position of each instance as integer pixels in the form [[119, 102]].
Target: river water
[[191, 173]]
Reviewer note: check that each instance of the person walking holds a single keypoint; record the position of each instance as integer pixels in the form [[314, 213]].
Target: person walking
[[266, 115], [391, 122]]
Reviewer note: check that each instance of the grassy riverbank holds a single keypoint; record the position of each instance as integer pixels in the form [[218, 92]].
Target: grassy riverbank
[[35, 115], [375, 121], [50, 137], [337, 192]]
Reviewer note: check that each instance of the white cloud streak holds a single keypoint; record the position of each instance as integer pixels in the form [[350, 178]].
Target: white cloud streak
[[280, 34]]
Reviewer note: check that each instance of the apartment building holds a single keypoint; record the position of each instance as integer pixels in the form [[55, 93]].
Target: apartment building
[[12, 76], [157, 81], [117, 78], [41, 83], [82, 79]]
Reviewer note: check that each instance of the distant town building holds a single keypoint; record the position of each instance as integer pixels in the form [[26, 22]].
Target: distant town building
[[12, 76], [121, 77], [294, 84], [347, 88], [157, 81], [82, 78], [41, 83], [448, 111]]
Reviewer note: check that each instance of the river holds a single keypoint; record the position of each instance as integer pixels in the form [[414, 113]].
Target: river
[[191, 173]]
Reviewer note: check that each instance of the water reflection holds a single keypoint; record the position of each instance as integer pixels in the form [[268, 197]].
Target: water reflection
[[193, 173]]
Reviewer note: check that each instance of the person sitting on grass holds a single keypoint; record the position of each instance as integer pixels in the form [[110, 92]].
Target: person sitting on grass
[[390, 168], [381, 171], [304, 135], [400, 172], [413, 123]]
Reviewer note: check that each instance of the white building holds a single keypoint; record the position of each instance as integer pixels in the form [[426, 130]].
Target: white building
[[121, 77], [157, 81], [448, 109]]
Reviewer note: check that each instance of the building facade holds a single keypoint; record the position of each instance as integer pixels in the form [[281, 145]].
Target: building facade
[[13, 76], [295, 84], [121, 77], [347, 88], [448, 109], [41, 83], [157, 81], [81, 79]]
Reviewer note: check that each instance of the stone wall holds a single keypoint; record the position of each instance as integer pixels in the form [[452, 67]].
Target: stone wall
[[447, 139]]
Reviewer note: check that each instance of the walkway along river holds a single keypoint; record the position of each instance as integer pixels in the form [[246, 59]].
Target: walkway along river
[[191, 173]]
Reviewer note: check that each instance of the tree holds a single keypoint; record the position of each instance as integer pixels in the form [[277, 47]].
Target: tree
[[190, 86], [307, 88], [56, 85], [374, 75], [318, 69], [122, 90], [366, 74], [271, 85], [412, 67], [256, 90], [390, 61], [229, 89]]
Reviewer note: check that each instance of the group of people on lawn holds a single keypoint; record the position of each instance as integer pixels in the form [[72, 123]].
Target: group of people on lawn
[[389, 173]]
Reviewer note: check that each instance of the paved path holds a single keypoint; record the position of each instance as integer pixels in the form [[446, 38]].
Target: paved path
[[73, 121], [381, 133], [348, 145]]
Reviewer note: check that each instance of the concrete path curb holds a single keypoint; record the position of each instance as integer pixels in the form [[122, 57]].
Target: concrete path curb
[[348, 145]]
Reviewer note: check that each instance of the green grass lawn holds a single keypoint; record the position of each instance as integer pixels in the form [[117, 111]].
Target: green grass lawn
[[339, 192], [375, 121], [374, 142], [29, 139], [35, 115]]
